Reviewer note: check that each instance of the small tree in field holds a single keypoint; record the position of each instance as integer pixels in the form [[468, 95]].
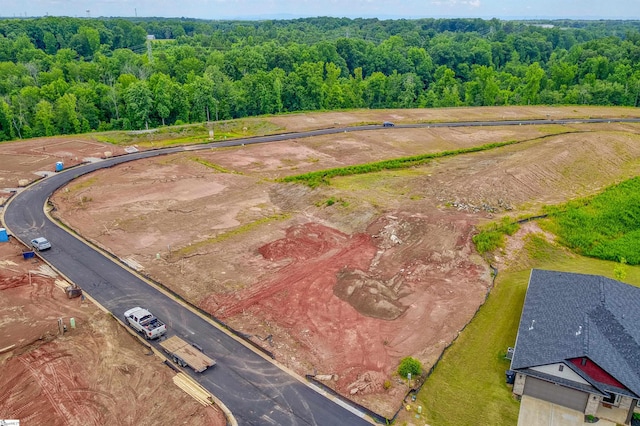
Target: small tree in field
[[409, 365]]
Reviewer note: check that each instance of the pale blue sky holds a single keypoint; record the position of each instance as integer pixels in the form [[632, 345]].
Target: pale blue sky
[[228, 9]]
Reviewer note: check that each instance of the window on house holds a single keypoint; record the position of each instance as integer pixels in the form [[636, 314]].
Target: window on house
[[613, 399], [560, 367], [584, 361]]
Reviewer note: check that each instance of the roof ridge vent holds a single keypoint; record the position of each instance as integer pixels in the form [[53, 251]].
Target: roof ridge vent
[[585, 338]]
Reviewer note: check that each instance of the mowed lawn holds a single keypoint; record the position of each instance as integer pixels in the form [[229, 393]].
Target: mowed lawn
[[468, 385]]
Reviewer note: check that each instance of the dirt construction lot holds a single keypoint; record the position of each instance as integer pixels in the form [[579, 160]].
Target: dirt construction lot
[[343, 280], [95, 374]]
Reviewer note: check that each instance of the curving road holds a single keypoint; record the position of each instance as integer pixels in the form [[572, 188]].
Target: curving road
[[255, 390]]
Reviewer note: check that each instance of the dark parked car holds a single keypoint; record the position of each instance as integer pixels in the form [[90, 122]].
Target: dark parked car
[[387, 124]]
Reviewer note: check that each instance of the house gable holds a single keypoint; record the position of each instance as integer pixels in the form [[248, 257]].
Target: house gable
[[560, 370], [596, 373]]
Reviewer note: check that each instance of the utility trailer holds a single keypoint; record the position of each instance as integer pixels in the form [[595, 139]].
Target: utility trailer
[[186, 354]]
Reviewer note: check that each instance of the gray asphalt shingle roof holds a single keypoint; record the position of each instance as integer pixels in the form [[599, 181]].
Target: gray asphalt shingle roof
[[569, 315]]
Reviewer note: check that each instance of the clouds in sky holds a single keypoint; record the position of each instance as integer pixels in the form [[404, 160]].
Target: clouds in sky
[[228, 9], [453, 3]]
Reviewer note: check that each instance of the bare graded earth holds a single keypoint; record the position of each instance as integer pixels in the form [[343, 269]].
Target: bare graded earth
[[94, 374], [345, 280]]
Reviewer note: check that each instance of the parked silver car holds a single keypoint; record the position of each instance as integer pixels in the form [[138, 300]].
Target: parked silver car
[[40, 243]]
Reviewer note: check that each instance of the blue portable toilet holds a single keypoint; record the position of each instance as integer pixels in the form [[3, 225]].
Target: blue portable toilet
[[4, 237], [59, 166]]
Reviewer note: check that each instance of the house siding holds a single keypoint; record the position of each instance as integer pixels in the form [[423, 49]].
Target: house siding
[[566, 373], [592, 370], [592, 405], [625, 402]]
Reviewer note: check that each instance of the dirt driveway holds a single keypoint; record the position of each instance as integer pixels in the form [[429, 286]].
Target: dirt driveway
[[344, 280]]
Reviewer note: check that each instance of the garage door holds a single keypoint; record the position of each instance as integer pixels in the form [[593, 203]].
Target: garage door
[[571, 398]]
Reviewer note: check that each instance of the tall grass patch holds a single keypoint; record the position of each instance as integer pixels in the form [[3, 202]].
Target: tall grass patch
[[492, 236], [605, 226]]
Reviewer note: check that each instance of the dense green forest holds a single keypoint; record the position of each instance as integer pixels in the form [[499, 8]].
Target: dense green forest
[[72, 75]]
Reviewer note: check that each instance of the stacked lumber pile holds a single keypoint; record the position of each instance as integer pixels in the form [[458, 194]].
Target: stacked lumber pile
[[198, 393]]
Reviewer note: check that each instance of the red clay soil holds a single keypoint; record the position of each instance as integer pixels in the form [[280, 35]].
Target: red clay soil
[[355, 303]]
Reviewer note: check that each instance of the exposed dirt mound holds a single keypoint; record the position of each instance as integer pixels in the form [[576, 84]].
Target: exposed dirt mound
[[315, 253], [350, 304]]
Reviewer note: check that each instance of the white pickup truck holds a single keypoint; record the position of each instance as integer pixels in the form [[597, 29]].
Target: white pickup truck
[[144, 322]]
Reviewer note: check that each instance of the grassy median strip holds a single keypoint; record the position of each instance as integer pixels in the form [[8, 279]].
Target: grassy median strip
[[190, 249], [322, 177]]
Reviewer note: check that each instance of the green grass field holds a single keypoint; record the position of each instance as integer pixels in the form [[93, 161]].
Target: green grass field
[[605, 226]]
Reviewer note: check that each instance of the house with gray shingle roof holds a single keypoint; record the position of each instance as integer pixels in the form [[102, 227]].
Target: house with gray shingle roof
[[578, 344]]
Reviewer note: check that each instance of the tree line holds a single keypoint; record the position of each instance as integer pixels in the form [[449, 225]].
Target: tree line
[[73, 75]]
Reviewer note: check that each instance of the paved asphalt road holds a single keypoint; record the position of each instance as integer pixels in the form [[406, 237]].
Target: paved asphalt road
[[255, 390]]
